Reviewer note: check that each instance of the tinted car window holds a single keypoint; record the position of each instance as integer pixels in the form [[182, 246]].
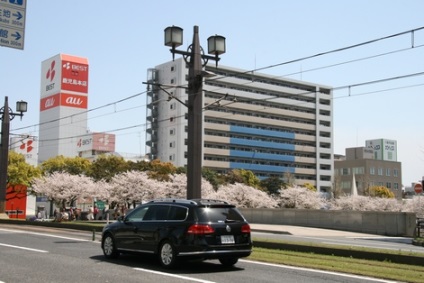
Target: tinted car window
[[219, 214], [157, 212], [137, 215], [178, 213]]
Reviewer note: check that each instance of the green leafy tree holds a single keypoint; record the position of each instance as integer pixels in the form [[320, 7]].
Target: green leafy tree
[[161, 171], [382, 192], [19, 172], [181, 170], [139, 165], [72, 165], [310, 187], [212, 177], [243, 176], [273, 185], [107, 166]]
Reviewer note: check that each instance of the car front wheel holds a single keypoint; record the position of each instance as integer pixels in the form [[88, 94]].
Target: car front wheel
[[167, 256], [109, 247]]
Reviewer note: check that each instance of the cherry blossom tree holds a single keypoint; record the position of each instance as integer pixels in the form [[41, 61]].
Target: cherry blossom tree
[[243, 196], [133, 187], [366, 203], [130, 187], [64, 188], [301, 197]]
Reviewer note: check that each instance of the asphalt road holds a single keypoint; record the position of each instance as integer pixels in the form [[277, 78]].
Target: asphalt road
[[36, 254]]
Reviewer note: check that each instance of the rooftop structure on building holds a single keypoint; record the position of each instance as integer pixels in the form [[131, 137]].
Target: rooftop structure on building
[[273, 126]]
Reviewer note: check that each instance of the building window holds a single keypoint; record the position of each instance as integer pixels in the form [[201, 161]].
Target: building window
[[172, 157], [358, 170], [172, 81], [372, 171], [346, 185], [172, 132], [380, 171], [388, 173], [172, 68], [172, 144], [388, 185], [396, 186], [345, 171], [395, 173], [172, 106]]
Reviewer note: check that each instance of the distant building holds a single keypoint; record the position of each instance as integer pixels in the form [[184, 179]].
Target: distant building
[[272, 126], [365, 167]]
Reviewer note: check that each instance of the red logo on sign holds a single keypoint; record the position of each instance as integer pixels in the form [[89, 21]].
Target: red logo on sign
[[74, 77], [27, 146], [51, 72], [50, 102], [72, 100], [64, 99]]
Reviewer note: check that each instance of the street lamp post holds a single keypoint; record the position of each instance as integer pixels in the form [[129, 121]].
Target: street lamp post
[[195, 60], [6, 116]]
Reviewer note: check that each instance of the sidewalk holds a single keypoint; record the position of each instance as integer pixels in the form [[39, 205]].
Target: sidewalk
[[305, 231]]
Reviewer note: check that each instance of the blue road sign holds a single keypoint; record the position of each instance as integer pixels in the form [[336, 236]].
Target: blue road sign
[[12, 23]]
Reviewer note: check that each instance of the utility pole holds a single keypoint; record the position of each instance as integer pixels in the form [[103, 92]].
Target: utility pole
[[195, 121], [6, 116], [195, 61], [4, 155]]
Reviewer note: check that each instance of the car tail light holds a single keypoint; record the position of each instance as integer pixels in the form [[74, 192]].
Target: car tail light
[[245, 228], [199, 229]]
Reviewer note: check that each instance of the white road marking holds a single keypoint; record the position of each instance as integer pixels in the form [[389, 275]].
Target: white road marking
[[320, 271], [43, 234], [173, 275], [23, 248]]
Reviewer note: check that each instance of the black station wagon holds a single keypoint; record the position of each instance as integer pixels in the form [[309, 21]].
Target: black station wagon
[[181, 229]]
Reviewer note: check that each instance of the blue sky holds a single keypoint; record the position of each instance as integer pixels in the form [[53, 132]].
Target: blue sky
[[122, 39]]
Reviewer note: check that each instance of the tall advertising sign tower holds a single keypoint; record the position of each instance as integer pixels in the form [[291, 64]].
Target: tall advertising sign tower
[[63, 105]]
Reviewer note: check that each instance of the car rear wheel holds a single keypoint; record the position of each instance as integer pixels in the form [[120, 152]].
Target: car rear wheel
[[167, 256], [228, 262], [109, 247]]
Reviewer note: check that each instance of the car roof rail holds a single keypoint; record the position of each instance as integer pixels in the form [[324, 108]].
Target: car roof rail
[[210, 201], [173, 200]]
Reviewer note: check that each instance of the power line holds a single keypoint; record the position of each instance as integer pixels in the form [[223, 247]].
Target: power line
[[272, 66]]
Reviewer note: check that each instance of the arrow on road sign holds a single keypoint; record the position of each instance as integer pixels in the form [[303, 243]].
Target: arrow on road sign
[[18, 15], [17, 35]]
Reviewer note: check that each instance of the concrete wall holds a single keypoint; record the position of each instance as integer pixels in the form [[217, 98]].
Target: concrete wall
[[380, 223]]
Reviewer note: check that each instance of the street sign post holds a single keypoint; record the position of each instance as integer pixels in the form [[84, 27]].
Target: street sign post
[[12, 23]]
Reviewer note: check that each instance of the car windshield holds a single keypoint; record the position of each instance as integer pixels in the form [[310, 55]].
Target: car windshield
[[219, 214]]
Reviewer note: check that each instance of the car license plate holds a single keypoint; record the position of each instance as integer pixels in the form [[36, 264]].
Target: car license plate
[[227, 239]]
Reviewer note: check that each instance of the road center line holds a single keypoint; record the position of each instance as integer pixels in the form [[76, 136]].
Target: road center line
[[173, 275], [23, 248]]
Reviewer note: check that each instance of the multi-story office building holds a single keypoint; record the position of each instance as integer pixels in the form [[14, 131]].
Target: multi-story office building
[[365, 167], [272, 126]]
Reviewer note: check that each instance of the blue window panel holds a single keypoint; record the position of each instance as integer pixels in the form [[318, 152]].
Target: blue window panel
[[259, 155], [264, 144], [259, 167], [261, 132]]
